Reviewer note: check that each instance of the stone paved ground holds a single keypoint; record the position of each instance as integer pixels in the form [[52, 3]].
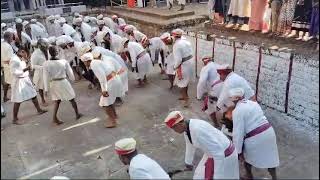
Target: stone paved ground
[[84, 148]]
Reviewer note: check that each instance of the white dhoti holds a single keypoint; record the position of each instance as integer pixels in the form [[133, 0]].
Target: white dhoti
[[61, 90], [114, 87], [144, 66], [7, 74], [188, 73], [170, 64], [123, 74], [261, 150], [22, 89], [181, 2], [38, 79]]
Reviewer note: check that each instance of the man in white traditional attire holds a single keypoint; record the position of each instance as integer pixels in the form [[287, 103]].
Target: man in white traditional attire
[[169, 59], [22, 88], [21, 38], [232, 80], [39, 24], [219, 161], [55, 74], [140, 60], [111, 85], [114, 40], [69, 30], [38, 57], [3, 29], [182, 3], [53, 26], [6, 54], [184, 64], [252, 134], [117, 23], [134, 34], [206, 89], [157, 49], [85, 29], [140, 165]]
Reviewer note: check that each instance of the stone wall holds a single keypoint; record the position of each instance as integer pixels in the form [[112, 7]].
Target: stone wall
[[301, 89]]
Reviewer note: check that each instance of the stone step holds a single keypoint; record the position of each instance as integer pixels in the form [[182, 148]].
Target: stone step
[[161, 13]]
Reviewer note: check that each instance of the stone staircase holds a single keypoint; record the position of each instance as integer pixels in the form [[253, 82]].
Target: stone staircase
[[153, 21]]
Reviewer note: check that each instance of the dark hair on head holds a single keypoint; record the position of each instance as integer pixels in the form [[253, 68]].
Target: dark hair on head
[[23, 48], [7, 35], [53, 51], [19, 26]]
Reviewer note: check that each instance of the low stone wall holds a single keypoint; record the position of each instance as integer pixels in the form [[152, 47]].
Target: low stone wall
[[283, 80]]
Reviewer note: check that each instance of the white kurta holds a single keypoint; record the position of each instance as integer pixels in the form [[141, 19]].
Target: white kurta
[[260, 150], [121, 70], [138, 36], [214, 92], [116, 26], [22, 88], [6, 55], [144, 63], [182, 48], [37, 32], [233, 80], [241, 8], [108, 22], [208, 75], [143, 167], [25, 38], [55, 74], [54, 29], [213, 143], [116, 45], [107, 52], [101, 70], [37, 59], [86, 31], [156, 45], [70, 31]]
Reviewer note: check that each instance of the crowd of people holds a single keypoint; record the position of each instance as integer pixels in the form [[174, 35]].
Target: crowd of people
[[287, 18], [102, 51]]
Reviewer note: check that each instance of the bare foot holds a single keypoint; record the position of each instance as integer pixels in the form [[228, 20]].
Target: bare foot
[[57, 122], [41, 111], [110, 124], [16, 122], [78, 116]]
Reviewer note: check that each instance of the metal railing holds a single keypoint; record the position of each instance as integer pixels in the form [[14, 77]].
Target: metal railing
[[64, 5], [118, 2]]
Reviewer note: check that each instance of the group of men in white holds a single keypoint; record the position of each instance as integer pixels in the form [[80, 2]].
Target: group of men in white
[[102, 50]]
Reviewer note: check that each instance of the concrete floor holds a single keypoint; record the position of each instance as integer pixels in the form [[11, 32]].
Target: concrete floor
[[84, 149]]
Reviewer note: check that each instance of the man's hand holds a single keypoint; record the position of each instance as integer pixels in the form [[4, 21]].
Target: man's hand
[[188, 167], [240, 157], [105, 94], [28, 68]]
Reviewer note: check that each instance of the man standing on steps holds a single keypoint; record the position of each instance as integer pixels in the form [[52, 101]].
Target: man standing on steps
[[181, 2]]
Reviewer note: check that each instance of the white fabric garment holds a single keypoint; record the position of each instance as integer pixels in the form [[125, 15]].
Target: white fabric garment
[[121, 70], [37, 59], [101, 70], [208, 75], [37, 32], [25, 38], [233, 80], [169, 61], [6, 55], [144, 63], [213, 143], [215, 92], [138, 36], [107, 52], [260, 150], [55, 74], [86, 31], [143, 167], [70, 31], [54, 29], [181, 2], [116, 26], [116, 46], [22, 88], [109, 23], [42, 26], [182, 48], [241, 8], [156, 45]]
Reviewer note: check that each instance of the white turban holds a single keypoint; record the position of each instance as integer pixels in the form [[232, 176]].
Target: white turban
[[93, 19], [94, 29], [3, 25], [34, 42], [33, 20], [85, 47], [100, 22], [52, 40], [60, 41], [114, 17], [236, 94], [177, 32], [96, 53], [86, 19], [224, 67], [125, 146], [57, 16], [78, 20], [173, 118], [69, 39], [25, 23], [124, 40], [129, 28], [86, 57], [76, 14], [10, 30], [59, 178], [100, 17], [18, 20], [50, 18], [62, 20], [165, 36]]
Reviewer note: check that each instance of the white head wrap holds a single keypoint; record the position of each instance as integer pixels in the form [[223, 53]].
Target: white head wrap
[[236, 94], [86, 57], [3, 25], [57, 16], [25, 23], [86, 19], [18, 20], [100, 17], [33, 20], [100, 22], [96, 53], [50, 18], [52, 40]]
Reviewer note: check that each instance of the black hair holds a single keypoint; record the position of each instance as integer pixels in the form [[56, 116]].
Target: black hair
[[53, 51], [7, 35]]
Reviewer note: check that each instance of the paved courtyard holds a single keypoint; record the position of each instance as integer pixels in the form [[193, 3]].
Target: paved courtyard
[[84, 148]]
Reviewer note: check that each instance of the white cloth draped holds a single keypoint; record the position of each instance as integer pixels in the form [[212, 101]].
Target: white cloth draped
[[37, 59], [6, 55], [208, 75]]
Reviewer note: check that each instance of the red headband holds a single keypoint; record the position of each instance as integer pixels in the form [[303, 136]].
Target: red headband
[[123, 152], [171, 122]]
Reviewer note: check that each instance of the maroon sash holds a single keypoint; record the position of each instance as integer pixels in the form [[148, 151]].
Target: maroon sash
[[258, 130], [209, 169]]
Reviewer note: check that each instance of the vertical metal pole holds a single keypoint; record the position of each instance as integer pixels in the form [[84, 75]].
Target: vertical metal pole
[[234, 55], [258, 73], [213, 44], [196, 55], [288, 83]]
